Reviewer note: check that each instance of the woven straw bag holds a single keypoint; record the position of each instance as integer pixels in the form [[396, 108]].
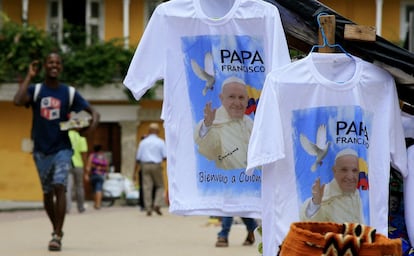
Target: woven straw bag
[[334, 239]]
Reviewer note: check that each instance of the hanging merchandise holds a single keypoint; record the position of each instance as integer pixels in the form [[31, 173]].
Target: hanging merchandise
[[408, 190], [328, 238], [298, 22], [214, 57], [405, 225], [332, 125]]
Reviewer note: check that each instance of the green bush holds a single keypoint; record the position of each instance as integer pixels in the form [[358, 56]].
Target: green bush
[[96, 65], [19, 46]]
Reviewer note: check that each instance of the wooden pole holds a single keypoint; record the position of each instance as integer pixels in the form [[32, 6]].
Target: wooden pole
[[328, 23]]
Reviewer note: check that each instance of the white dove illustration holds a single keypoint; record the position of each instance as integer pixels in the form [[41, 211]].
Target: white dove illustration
[[318, 149], [207, 74]]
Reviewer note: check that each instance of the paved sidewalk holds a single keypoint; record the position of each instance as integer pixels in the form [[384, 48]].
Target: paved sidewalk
[[115, 231]]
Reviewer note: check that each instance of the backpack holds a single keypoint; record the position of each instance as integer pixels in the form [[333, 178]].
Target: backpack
[[38, 86]]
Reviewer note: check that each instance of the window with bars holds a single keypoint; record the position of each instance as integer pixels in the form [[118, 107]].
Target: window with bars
[[75, 22], [406, 8]]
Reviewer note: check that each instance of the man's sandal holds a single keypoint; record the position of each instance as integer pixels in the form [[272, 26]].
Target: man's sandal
[[56, 243]]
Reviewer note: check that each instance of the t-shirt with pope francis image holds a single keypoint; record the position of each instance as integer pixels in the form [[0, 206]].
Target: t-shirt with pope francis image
[[339, 200], [223, 135]]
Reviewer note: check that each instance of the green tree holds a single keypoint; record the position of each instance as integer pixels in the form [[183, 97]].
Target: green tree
[[19, 46]]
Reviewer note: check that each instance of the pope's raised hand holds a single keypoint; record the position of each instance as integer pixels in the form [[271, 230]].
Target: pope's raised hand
[[317, 191], [209, 114]]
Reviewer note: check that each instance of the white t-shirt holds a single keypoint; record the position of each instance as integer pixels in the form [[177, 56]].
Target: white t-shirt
[[408, 195], [408, 125], [337, 102], [194, 46]]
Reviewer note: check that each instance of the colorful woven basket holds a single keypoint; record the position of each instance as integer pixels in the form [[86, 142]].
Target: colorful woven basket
[[334, 239]]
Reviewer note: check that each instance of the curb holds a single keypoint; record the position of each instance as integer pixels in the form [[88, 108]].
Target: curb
[[12, 206]]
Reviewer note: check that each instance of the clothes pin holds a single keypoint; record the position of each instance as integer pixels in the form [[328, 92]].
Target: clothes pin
[[328, 23]]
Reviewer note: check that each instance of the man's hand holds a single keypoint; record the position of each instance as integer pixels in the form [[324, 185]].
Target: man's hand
[[21, 98], [209, 114], [95, 117], [34, 69], [317, 191]]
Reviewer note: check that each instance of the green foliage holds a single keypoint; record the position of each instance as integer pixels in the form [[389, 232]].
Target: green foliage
[[97, 64], [296, 54], [19, 46]]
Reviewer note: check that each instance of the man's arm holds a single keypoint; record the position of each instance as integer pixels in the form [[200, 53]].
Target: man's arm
[[22, 98], [84, 156], [88, 168], [94, 120], [135, 176]]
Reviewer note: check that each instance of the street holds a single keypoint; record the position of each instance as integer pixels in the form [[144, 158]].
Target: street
[[118, 231]]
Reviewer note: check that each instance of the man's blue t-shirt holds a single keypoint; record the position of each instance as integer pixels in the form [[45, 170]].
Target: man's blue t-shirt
[[50, 108]]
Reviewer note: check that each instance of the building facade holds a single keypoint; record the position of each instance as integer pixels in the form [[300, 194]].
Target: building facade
[[391, 18], [123, 123]]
